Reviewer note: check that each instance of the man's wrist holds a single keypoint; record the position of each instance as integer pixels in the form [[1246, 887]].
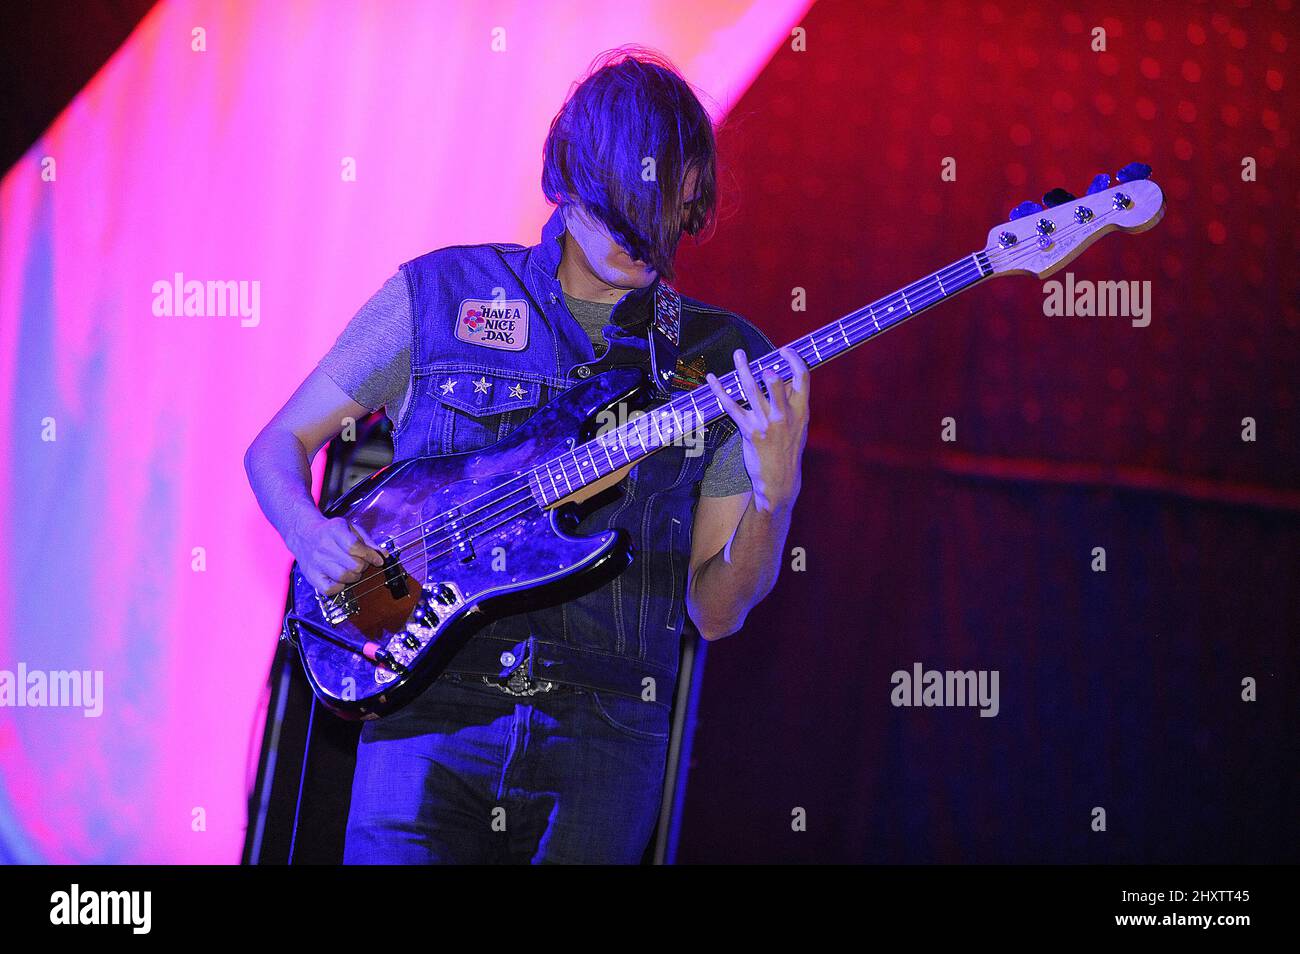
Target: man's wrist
[[769, 515], [776, 506], [301, 527]]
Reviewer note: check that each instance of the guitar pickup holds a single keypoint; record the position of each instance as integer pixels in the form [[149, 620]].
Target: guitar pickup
[[458, 544], [394, 575]]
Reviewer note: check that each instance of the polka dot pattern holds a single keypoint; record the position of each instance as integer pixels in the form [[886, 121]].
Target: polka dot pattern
[[1202, 95]]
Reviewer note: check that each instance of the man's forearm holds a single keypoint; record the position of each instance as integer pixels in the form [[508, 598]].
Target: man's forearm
[[731, 582], [280, 475]]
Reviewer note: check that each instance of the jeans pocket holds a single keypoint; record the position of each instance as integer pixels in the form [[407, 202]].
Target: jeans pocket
[[643, 721]]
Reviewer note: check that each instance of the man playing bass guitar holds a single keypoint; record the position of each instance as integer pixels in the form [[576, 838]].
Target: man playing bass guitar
[[496, 761]]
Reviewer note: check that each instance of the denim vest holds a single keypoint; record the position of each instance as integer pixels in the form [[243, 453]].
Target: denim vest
[[492, 341]]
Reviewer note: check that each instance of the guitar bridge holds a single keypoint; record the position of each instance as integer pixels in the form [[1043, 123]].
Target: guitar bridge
[[337, 608]]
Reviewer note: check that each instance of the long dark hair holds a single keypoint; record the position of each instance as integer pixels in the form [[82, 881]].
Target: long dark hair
[[632, 107]]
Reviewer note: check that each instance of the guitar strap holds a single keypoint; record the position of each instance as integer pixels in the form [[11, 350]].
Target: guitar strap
[[662, 338], [664, 335]]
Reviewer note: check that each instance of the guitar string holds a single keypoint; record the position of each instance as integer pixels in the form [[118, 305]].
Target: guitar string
[[643, 431], [925, 298], [478, 526], [639, 434], [966, 266]]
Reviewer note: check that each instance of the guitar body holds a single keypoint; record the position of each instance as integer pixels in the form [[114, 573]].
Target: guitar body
[[465, 542]]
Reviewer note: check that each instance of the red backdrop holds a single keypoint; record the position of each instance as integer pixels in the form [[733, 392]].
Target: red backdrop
[[1119, 690]]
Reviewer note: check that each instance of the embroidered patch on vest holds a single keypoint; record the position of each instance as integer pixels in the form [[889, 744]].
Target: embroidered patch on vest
[[493, 324]]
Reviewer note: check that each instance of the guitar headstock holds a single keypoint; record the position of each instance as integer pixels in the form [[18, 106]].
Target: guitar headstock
[[1039, 240]]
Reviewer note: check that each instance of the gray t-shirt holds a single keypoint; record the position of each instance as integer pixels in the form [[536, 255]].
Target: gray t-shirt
[[371, 363]]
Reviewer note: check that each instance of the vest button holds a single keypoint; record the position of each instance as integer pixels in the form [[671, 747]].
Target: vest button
[[583, 372]]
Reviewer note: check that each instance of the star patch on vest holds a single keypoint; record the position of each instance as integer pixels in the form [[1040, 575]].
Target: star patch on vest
[[687, 377], [493, 323]]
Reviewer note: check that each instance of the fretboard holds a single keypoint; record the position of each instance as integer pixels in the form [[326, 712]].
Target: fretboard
[[687, 413]]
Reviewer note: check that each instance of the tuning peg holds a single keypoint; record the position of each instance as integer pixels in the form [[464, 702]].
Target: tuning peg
[[1057, 197], [1023, 209], [1134, 170], [1100, 183]]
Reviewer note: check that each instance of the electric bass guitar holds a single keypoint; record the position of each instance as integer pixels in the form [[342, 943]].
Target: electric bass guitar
[[374, 646]]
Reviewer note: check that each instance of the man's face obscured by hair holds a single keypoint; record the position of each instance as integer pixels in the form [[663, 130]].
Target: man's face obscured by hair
[[608, 260], [632, 158]]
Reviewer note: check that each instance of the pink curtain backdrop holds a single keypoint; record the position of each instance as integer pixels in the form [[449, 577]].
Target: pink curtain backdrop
[[226, 165]]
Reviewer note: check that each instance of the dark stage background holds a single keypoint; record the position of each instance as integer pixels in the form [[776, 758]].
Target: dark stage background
[[1120, 690]]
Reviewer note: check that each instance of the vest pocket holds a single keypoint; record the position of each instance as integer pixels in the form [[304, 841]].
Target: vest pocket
[[472, 408]]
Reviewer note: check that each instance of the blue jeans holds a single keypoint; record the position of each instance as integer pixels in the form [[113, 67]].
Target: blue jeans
[[467, 774]]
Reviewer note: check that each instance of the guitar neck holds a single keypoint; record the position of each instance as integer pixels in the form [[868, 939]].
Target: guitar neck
[[617, 447]]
